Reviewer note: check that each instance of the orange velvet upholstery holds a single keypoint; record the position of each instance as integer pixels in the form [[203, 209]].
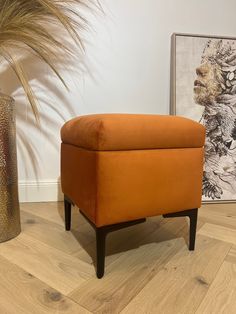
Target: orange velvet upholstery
[[122, 167], [131, 132]]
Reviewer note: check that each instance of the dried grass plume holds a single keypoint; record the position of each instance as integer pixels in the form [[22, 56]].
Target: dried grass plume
[[27, 24]]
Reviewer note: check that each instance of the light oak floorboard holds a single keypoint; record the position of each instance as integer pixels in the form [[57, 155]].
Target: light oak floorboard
[[221, 297], [59, 270], [219, 214], [22, 293], [231, 257], [55, 235], [149, 261], [125, 277], [54, 212], [182, 284], [218, 232]]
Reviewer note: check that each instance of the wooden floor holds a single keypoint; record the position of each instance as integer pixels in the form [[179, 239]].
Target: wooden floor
[[148, 267]]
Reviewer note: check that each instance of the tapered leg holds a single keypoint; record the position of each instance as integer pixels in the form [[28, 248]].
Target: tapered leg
[[67, 207], [101, 247], [192, 214], [101, 233], [193, 229]]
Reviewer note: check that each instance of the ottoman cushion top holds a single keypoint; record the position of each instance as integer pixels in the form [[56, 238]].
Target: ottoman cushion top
[[132, 131]]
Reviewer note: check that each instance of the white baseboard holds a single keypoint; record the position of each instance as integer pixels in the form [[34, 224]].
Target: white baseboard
[[42, 191]]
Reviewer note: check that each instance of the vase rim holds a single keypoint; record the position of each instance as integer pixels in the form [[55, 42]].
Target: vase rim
[[6, 97]]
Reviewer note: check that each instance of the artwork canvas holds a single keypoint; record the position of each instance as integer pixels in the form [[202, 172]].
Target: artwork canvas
[[204, 89]]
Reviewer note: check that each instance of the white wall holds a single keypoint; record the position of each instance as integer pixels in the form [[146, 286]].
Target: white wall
[[128, 54]]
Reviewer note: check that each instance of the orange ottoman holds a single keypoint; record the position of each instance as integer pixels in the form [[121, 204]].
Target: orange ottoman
[[121, 168]]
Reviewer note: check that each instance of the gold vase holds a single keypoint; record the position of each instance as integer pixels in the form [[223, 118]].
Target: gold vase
[[9, 202]]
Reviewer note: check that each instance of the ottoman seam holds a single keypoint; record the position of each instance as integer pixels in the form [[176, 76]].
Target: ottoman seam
[[132, 149]]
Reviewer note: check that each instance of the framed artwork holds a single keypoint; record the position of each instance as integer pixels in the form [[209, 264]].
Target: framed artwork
[[203, 88]]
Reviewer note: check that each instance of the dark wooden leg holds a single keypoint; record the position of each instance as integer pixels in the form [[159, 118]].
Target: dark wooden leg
[[193, 229], [192, 214], [101, 248], [67, 207], [101, 233]]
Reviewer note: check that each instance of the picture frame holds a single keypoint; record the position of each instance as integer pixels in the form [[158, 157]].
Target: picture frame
[[203, 88]]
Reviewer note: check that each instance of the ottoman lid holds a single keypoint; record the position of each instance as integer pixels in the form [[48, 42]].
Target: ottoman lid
[[132, 131]]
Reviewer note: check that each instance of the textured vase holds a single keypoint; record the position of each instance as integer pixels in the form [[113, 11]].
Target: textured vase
[[9, 202]]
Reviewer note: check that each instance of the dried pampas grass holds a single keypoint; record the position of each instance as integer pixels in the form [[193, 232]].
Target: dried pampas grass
[[28, 24]]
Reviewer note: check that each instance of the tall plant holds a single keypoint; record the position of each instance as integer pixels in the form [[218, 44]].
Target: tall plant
[[27, 25]]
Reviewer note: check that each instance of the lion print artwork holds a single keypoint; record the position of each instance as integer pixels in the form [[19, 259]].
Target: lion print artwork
[[214, 90]]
